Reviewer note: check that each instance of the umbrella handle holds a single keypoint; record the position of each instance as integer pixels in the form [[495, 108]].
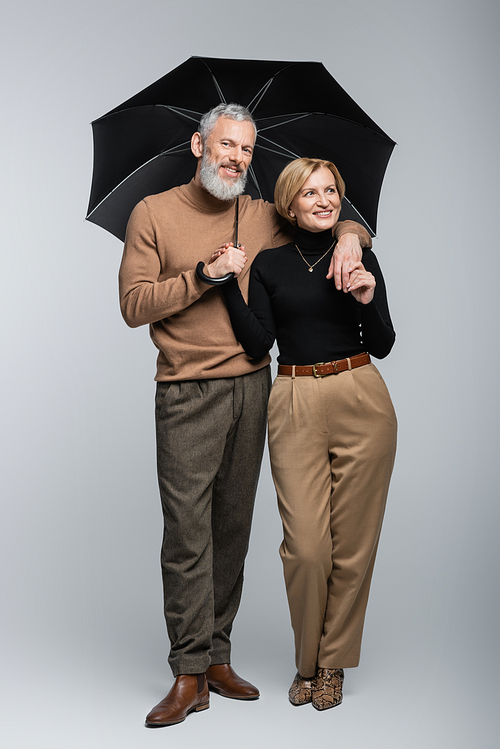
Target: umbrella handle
[[208, 279]]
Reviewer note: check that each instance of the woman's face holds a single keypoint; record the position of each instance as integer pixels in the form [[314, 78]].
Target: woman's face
[[317, 204]]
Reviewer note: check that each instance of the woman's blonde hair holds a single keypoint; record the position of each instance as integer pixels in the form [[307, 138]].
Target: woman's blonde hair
[[293, 177]]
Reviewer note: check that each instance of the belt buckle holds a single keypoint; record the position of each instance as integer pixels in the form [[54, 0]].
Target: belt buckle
[[318, 364]]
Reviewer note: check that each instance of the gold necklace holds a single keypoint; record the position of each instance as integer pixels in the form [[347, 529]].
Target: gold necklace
[[311, 267]]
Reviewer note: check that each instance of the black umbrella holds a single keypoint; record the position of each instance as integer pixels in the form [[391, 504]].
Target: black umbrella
[[142, 147]]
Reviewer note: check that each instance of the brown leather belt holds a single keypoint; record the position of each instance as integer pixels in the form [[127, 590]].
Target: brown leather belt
[[321, 368]]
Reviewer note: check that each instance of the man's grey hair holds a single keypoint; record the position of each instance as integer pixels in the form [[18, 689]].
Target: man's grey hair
[[231, 111]]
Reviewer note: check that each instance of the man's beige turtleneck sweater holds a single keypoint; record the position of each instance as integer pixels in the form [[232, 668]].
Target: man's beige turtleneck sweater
[[167, 235]]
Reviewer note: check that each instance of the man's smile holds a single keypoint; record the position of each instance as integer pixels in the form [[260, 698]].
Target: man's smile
[[231, 170]]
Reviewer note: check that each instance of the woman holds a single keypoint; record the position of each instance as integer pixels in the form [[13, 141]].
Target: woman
[[332, 427]]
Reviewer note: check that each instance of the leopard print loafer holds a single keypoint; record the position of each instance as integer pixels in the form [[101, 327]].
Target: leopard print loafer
[[300, 693], [327, 690]]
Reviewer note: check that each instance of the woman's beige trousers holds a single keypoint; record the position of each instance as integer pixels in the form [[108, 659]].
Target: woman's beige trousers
[[332, 443]]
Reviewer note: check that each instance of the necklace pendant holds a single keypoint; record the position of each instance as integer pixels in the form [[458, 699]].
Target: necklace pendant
[[311, 267]]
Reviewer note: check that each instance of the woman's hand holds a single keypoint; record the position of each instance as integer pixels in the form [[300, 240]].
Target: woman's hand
[[226, 259], [220, 250], [361, 283]]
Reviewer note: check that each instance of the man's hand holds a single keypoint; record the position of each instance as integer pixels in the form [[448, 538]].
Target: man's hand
[[347, 253], [227, 259]]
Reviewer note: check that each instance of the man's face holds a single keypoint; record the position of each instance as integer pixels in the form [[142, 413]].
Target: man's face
[[230, 145], [226, 156]]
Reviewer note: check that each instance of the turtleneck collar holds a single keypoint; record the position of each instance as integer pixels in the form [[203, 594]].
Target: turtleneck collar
[[204, 201], [314, 241]]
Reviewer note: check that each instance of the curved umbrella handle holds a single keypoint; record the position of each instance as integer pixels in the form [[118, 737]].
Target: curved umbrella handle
[[208, 279]]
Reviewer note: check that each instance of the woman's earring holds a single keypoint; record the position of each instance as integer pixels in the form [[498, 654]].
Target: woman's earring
[[291, 214]]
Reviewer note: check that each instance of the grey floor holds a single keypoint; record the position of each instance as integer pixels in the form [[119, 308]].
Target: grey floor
[[104, 706], [89, 674]]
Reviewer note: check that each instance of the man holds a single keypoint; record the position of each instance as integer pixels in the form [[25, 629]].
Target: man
[[211, 398]]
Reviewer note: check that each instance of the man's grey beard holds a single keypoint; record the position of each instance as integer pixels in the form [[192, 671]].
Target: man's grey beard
[[215, 185]]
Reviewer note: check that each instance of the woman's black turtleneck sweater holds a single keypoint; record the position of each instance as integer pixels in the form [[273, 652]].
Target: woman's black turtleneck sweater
[[303, 311]]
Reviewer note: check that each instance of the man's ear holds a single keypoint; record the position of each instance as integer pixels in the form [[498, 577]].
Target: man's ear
[[197, 145]]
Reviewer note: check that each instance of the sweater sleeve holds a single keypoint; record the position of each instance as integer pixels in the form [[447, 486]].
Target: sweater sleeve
[[352, 227], [253, 325], [143, 298], [376, 324]]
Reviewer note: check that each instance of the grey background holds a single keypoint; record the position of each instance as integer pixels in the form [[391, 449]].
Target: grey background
[[83, 638]]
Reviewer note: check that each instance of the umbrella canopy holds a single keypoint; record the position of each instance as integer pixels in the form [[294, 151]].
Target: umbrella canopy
[[142, 147]]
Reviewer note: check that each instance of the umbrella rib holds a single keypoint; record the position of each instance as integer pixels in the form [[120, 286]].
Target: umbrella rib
[[291, 118], [216, 84], [163, 153], [182, 112], [252, 107], [254, 177], [360, 215], [283, 152], [219, 90], [174, 149], [263, 91], [301, 115]]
